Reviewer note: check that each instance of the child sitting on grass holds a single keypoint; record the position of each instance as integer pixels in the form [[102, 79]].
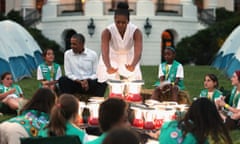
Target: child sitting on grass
[[49, 72], [11, 94]]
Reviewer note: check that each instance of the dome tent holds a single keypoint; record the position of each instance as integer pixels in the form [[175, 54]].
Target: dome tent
[[228, 57], [19, 52]]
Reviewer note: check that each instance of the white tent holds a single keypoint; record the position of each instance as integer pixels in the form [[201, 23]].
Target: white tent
[[228, 57], [19, 52]]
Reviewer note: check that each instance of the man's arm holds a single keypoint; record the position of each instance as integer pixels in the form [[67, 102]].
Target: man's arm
[[94, 65], [67, 66]]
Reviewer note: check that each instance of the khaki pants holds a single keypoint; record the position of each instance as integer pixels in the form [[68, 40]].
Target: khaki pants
[[10, 133]]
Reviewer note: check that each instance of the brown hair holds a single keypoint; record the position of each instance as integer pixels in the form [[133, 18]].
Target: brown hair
[[42, 101], [65, 109], [4, 75]]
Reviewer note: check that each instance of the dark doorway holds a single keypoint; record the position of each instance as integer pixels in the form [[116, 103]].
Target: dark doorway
[[167, 41], [2, 7], [68, 36]]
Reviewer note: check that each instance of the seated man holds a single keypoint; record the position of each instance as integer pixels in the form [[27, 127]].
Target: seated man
[[80, 65]]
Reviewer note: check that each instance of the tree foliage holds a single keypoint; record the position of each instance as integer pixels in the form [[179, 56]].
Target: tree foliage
[[203, 46]]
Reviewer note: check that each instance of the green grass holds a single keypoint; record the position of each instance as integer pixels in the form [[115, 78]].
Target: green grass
[[193, 80]]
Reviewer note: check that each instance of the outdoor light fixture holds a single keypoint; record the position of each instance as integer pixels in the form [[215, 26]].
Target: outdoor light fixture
[[91, 27], [147, 27]]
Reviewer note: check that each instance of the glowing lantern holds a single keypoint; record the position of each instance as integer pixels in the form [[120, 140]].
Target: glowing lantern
[[116, 88], [134, 90], [138, 118], [149, 116], [159, 119], [93, 119], [79, 119]]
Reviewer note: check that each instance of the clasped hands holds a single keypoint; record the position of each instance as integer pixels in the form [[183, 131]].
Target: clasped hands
[[84, 84], [112, 70]]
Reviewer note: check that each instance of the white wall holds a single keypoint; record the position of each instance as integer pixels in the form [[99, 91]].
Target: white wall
[[228, 4], [13, 5], [54, 26]]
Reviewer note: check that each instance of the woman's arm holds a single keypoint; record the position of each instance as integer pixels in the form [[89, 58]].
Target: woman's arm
[[137, 48], [105, 38]]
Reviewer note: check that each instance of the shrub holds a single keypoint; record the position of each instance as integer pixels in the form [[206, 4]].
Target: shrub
[[46, 43], [15, 16], [203, 46]]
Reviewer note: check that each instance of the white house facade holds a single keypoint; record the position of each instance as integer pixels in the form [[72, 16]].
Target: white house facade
[[162, 22]]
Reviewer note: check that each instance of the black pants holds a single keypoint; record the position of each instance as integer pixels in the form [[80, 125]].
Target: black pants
[[67, 85]]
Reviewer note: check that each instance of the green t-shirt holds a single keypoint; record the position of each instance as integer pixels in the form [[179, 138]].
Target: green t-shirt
[[70, 130], [32, 121], [171, 134]]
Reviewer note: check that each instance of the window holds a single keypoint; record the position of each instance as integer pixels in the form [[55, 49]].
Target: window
[[2, 6]]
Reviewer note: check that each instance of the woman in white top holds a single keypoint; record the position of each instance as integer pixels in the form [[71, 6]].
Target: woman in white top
[[121, 48]]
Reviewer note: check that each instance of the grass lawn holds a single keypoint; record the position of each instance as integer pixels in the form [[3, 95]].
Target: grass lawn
[[193, 80]]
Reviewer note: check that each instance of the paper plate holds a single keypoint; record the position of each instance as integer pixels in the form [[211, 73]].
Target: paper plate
[[96, 99], [151, 102]]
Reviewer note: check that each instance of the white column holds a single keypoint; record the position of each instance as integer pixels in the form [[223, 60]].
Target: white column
[[186, 1], [49, 10], [189, 10], [53, 1], [28, 4], [211, 4], [145, 8], [94, 8]]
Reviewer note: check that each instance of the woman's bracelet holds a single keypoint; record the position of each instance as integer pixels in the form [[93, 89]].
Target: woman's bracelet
[[227, 106]]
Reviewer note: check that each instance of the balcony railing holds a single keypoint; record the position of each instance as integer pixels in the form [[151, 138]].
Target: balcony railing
[[206, 16], [168, 9], [31, 18], [70, 9], [110, 7]]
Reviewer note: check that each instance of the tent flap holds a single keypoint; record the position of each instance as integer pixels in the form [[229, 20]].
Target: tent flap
[[228, 57], [19, 52]]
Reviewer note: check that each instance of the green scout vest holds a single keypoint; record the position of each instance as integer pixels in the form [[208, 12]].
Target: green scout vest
[[47, 73], [233, 101], [4, 89], [32, 121], [216, 94], [171, 75]]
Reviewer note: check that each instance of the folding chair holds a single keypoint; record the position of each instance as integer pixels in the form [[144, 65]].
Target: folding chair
[[52, 140]]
